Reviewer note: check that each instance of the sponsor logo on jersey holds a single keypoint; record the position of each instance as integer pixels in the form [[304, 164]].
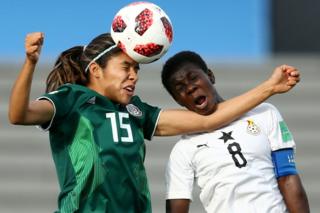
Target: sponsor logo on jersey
[[202, 145], [252, 128], [92, 100], [285, 133], [133, 110]]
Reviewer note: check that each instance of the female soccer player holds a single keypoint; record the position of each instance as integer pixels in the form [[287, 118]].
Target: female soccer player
[[97, 126], [246, 166]]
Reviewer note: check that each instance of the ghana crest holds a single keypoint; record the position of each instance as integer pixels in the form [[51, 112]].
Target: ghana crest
[[252, 128]]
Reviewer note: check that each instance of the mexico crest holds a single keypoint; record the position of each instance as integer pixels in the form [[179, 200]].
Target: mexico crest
[[133, 110]]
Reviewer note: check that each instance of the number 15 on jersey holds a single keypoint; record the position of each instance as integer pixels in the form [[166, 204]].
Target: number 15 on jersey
[[122, 117]]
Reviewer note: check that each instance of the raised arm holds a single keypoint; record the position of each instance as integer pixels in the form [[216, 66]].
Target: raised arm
[[174, 122], [21, 110], [294, 194]]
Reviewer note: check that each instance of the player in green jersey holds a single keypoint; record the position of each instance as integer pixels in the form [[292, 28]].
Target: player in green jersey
[[97, 126]]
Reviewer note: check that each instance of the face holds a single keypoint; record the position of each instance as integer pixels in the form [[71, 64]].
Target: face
[[193, 89], [119, 78]]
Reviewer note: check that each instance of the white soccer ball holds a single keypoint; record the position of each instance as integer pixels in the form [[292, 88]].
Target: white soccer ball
[[143, 31]]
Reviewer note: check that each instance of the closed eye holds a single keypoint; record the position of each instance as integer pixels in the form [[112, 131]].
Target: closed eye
[[127, 65], [193, 77], [137, 68], [179, 88], [126, 68]]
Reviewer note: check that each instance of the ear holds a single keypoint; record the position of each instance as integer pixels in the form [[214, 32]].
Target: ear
[[95, 70], [211, 76]]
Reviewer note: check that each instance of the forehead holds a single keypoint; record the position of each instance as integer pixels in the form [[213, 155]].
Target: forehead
[[186, 71], [122, 58]]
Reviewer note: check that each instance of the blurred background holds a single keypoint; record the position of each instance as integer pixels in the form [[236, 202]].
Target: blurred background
[[242, 41]]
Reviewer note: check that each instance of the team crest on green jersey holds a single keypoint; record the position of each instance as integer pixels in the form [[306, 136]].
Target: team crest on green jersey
[[252, 128], [133, 110], [285, 133]]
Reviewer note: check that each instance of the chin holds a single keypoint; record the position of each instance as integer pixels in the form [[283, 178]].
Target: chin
[[204, 112], [124, 101], [209, 111]]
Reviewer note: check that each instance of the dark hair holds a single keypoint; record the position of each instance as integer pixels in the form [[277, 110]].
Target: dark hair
[[71, 64], [174, 63]]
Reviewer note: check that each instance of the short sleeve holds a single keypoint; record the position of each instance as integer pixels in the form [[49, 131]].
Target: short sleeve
[[279, 134], [146, 115], [179, 174], [62, 101]]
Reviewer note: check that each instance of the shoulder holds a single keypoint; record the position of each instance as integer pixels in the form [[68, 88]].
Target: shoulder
[[263, 109], [266, 106], [69, 95], [67, 89], [188, 144], [76, 88], [136, 105], [181, 153], [73, 87], [136, 100]]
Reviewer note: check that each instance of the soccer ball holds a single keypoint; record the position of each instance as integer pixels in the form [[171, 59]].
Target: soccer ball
[[143, 31]]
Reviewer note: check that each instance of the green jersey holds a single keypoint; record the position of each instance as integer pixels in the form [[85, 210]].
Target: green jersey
[[98, 150]]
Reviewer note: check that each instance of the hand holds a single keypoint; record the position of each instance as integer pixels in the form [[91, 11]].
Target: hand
[[284, 78], [33, 44]]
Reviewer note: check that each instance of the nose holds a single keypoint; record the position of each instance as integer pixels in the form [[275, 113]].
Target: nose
[[133, 75], [190, 88]]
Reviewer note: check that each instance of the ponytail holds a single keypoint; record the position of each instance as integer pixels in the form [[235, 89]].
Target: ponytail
[[67, 69]]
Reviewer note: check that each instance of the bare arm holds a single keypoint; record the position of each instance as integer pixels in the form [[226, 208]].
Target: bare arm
[[174, 122], [177, 206], [294, 194], [21, 110]]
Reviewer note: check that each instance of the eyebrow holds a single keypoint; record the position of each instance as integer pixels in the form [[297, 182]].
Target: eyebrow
[[180, 77]]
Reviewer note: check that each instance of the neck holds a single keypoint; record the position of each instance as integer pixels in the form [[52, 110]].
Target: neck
[[95, 88], [219, 99]]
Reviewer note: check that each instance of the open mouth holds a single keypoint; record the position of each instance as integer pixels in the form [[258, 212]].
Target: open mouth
[[130, 89], [200, 101]]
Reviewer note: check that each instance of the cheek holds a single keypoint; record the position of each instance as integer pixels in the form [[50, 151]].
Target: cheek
[[210, 88], [111, 85], [113, 77], [183, 101], [177, 99]]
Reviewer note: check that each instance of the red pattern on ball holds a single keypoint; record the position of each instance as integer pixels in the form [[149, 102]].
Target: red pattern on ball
[[148, 50], [143, 21], [118, 25], [168, 28], [122, 46]]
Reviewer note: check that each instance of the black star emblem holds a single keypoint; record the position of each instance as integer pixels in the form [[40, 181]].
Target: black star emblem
[[226, 136]]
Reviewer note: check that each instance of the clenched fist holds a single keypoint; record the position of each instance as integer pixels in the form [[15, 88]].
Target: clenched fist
[[33, 44]]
